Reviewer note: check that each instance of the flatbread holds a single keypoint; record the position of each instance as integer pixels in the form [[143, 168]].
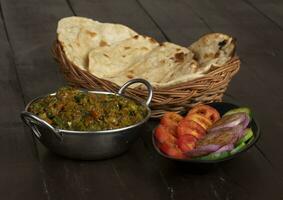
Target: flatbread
[[109, 61], [79, 36], [117, 53], [165, 65], [213, 50]]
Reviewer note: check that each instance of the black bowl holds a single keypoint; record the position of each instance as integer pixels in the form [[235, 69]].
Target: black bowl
[[222, 108]]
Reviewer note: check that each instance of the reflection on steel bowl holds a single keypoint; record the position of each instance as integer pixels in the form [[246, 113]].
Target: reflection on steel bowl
[[88, 140]]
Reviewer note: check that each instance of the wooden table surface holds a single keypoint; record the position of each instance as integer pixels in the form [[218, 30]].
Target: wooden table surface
[[29, 171]]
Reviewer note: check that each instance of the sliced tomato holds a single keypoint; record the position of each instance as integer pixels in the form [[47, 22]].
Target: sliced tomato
[[189, 127], [164, 134], [171, 150], [207, 111], [200, 119], [171, 120], [186, 142]]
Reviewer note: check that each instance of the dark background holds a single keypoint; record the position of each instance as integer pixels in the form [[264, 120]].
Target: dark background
[[29, 171]]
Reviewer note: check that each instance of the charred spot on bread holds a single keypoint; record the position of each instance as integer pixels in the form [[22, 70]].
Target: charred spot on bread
[[222, 44], [92, 34], [130, 74], [102, 43], [179, 57], [217, 54], [144, 48], [208, 55], [152, 40]]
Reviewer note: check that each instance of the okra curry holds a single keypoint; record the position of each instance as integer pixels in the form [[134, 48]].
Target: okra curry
[[72, 109]]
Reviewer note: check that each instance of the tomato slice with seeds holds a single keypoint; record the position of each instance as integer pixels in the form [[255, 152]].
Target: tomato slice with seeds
[[200, 119], [176, 135], [190, 127], [186, 142], [171, 150], [171, 120], [207, 111], [164, 134]]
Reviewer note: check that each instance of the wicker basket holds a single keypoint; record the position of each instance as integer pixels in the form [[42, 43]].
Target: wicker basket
[[177, 98]]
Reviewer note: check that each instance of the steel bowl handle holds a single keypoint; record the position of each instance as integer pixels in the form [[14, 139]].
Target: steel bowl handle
[[138, 80], [31, 120]]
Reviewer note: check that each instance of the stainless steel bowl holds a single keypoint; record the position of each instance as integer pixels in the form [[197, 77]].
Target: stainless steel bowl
[[88, 145]]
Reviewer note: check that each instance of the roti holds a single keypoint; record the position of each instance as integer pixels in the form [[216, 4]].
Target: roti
[[78, 36], [165, 65], [213, 50], [109, 61], [116, 53]]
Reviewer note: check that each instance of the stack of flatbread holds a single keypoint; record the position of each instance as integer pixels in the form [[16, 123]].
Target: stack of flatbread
[[116, 53]]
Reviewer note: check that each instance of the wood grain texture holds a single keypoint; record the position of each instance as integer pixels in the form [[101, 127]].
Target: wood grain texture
[[126, 12], [254, 32], [147, 182], [28, 70], [164, 14], [271, 10], [31, 26], [246, 177], [67, 179], [259, 49], [260, 80], [20, 170]]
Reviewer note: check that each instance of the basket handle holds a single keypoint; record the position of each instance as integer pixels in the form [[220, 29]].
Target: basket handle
[[138, 80], [32, 121]]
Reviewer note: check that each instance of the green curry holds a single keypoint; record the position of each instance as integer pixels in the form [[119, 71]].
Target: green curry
[[71, 109]]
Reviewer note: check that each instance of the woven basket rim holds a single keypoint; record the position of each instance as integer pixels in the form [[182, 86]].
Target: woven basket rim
[[176, 98], [234, 59]]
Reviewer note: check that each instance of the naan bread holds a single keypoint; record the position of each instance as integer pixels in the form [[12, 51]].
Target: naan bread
[[79, 36], [213, 49], [109, 61], [165, 65], [117, 53]]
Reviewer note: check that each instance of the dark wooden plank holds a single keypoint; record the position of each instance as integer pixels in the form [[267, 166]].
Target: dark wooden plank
[[138, 178], [245, 83], [32, 33], [236, 21], [261, 67], [217, 17], [11, 100], [235, 187], [254, 32], [20, 175], [240, 21], [137, 174], [32, 29], [21, 181], [71, 179], [249, 176], [126, 12], [266, 99], [179, 23], [269, 9]]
